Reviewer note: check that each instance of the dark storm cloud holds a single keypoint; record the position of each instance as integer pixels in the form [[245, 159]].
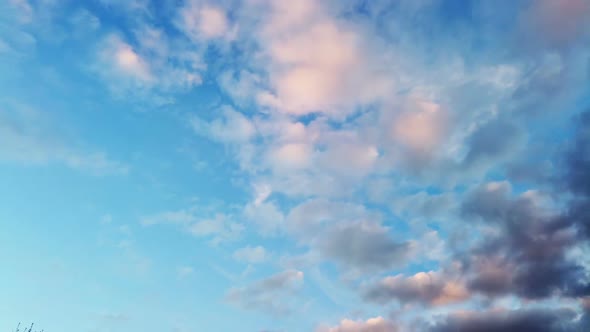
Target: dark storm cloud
[[527, 256], [577, 176], [563, 320]]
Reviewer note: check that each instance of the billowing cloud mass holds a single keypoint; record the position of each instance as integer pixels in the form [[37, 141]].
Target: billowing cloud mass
[[307, 165], [517, 320], [429, 288]]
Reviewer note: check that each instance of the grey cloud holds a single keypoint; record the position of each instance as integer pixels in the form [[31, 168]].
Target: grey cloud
[[271, 295], [348, 234], [554, 25], [364, 246], [541, 320], [424, 206], [530, 246], [311, 216]]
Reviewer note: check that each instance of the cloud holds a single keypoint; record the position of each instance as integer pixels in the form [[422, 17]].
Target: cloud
[[546, 320], [125, 62], [291, 156], [362, 246], [377, 324], [427, 288], [84, 21], [317, 64], [561, 23], [347, 234], [202, 21], [219, 228], [251, 255], [231, 127], [24, 8], [267, 216], [151, 69], [575, 178], [530, 244], [311, 216], [272, 295], [421, 128]]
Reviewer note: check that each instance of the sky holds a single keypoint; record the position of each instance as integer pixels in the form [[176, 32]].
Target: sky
[[269, 165]]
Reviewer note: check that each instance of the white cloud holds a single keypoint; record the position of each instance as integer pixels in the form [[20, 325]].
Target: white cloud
[[290, 156], [231, 127], [252, 255], [150, 71], [203, 21], [220, 228], [126, 60], [317, 64], [266, 216]]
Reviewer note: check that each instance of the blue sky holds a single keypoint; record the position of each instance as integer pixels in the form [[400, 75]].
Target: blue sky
[[267, 165]]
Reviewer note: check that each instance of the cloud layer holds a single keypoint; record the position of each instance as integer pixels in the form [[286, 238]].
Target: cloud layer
[[424, 162]]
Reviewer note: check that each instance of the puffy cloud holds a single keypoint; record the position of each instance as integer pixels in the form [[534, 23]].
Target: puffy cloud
[[271, 295], [203, 21], [125, 61], [251, 254], [527, 253], [231, 127], [291, 156], [377, 324], [149, 71], [317, 63], [421, 129], [343, 159], [429, 288]]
